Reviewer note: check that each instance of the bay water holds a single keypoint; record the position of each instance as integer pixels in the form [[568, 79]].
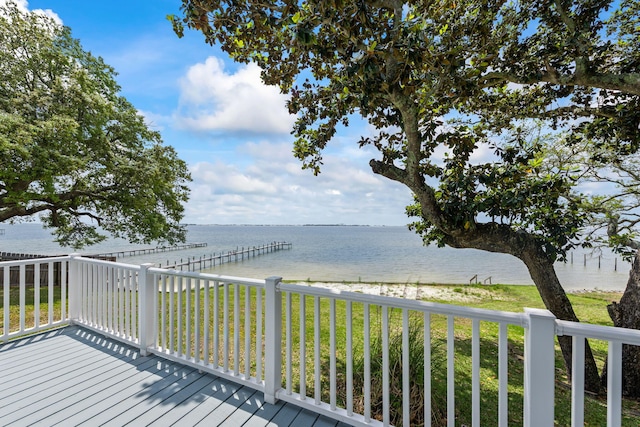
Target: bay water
[[342, 254]]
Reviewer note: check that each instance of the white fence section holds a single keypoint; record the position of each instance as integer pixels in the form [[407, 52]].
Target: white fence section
[[386, 353], [108, 299], [25, 282], [214, 323], [615, 337], [363, 359]]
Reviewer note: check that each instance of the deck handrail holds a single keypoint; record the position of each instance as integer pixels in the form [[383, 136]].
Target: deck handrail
[[47, 280], [16, 263], [276, 337], [207, 276], [519, 319]]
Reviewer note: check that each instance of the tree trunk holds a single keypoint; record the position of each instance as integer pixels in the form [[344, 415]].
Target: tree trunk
[[555, 299], [494, 237], [626, 314]]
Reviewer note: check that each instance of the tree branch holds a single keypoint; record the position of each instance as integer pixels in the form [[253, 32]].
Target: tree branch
[[20, 211], [626, 82], [613, 229]]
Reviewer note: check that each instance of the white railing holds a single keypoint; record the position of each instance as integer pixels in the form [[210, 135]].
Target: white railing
[[363, 359], [373, 315], [34, 296], [211, 322], [107, 297], [615, 337]]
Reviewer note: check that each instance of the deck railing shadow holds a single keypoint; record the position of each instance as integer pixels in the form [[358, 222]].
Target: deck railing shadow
[[346, 355]]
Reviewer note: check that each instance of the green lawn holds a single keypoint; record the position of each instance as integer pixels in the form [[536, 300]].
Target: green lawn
[[29, 296]]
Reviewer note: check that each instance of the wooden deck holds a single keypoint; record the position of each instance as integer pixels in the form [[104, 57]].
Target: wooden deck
[[72, 376]]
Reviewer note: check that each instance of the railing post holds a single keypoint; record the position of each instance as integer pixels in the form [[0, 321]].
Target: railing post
[[75, 294], [539, 368], [614, 384], [146, 315], [272, 339]]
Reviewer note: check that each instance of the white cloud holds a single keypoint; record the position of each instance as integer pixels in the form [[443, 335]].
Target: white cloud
[[272, 189], [274, 153], [228, 179], [23, 5], [483, 154], [212, 99]]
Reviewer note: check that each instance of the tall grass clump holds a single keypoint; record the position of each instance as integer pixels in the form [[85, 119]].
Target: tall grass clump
[[416, 375]]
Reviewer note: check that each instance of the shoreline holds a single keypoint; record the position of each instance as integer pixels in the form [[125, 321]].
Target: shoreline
[[441, 292]]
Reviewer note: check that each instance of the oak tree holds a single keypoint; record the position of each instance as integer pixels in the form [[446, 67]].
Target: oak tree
[[73, 150]]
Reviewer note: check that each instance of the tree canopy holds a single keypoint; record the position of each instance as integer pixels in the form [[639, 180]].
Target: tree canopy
[[459, 77], [73, 150]]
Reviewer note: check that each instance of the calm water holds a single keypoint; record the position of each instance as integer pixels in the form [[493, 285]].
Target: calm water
[[345, 253]]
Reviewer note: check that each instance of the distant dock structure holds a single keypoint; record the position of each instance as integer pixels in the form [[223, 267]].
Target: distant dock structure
[[147, 251], [109, 256], [189, 264], [213, 260]]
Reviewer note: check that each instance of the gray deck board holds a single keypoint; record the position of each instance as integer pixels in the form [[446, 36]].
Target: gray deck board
[[104, 403], [225, 409], [305, 418], [207, 403], [37, 376], [209, 397], [156, 398], [325, 422], [73, 376], [263, 414], [285, 416], [244, 413], [74, 382]]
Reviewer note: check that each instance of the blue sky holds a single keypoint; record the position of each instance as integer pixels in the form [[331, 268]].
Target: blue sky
[[231, 129]]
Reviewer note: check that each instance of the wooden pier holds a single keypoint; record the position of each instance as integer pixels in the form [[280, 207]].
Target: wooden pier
[[212, 260], [146, 251], [189, 264], [10, 256]]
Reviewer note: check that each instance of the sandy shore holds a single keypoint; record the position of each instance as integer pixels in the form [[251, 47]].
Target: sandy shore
[[458, 293], [409, 291]]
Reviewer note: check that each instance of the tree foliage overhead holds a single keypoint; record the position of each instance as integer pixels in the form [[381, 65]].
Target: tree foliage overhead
[[73, 150]]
